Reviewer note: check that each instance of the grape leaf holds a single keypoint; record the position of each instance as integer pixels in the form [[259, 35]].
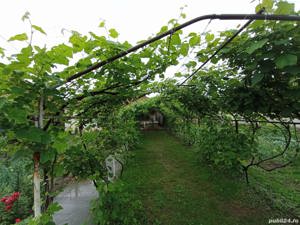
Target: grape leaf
[[19, 37], [194, 41], [257, 78], [113, 33], [33, 134], [184, 50], [256, 46], [37, 28], [209, 37], [286, 60], [16, 114]]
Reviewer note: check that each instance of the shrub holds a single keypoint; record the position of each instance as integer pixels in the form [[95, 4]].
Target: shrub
[[15, 188], [221, 146], [115, 206]]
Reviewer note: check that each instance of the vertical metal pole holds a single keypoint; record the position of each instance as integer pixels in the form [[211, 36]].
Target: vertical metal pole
[[114, 168], [36, 160]]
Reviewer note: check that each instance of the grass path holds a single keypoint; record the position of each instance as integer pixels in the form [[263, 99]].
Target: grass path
[[176, 190]]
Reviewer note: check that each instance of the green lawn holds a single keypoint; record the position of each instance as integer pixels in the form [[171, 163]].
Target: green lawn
[[281, 187], [176, 189]]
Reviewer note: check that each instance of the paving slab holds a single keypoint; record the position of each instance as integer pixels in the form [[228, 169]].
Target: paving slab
[[75, 200]]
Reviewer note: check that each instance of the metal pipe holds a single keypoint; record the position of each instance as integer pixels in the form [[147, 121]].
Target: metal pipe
[[220, 48], [171, 31]]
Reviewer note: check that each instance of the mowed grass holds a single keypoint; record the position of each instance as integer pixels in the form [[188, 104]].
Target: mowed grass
[[176, 189]]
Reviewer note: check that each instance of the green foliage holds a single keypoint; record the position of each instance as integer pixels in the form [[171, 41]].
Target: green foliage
[[19, 37], [114, 134], [209, 37], [94, 101], [256, 45], [284, 7], [256, 76], [33, 134], [184, 50], [113, 33], [116, 206], [175, 39], [266, 4], [46, 218], [264, 61], [286, 60], [15, 177], [102, 24], [16, 115], [194, 40], [39, 29], [62, 142], [219, 144]]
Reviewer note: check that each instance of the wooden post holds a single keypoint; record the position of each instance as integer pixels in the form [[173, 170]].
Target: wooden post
[[36, 160]]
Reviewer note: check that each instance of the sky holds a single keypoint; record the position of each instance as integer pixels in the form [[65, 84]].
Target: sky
[[134, 19]]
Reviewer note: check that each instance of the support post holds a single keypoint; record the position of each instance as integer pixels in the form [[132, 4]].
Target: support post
[[36, 185], [36, 161]]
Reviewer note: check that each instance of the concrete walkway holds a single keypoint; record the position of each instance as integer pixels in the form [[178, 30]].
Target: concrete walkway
[[75, 200]]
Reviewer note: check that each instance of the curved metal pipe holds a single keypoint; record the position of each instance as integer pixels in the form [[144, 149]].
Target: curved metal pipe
[[171, 31]]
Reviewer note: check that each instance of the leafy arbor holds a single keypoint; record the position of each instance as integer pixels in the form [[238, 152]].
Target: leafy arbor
[[255, 80], [42, 88], [36, 101]]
